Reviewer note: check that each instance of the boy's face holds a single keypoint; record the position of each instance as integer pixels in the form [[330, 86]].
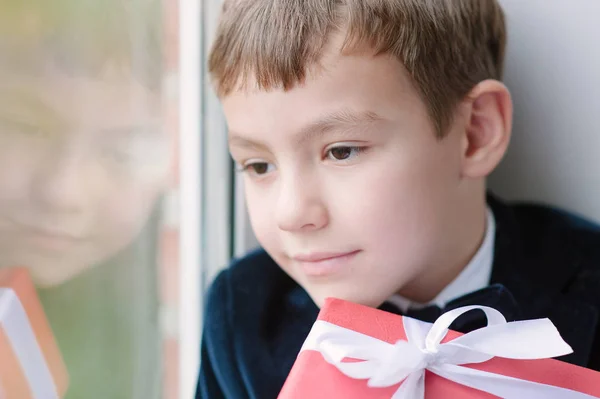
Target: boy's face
[[347, 187], [82, 162]]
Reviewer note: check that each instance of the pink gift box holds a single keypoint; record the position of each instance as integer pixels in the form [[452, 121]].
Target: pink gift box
[[313, 377], [31, 365]]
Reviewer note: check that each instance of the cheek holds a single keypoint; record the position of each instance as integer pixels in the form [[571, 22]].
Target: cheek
[[396, 206], [16, 171], [123, 214], [390, 209], [260, 213]]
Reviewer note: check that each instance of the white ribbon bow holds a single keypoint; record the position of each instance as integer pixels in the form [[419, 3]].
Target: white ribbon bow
[[15, 323], [384, 364]]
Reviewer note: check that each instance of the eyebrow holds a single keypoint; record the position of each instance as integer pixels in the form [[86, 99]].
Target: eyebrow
[[343, 119], [15, 98], [134, 131]]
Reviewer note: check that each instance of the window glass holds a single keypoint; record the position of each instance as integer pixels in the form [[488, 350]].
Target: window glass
[[88, 127]]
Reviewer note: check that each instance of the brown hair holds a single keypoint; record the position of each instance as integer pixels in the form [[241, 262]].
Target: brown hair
[[83, 37], [447, 46]]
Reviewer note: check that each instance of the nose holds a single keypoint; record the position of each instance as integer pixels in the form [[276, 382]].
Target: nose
[[300, 206], [62, 184]]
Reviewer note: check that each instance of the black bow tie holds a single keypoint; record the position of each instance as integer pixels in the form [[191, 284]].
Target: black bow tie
[[495, 296]]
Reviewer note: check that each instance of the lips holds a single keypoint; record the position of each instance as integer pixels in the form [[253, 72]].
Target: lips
[[45, 238], [50, 241], [320, 264]]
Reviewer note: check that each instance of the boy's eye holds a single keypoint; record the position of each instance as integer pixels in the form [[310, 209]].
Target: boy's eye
[[19, 127], [343, 153], [258, 168]]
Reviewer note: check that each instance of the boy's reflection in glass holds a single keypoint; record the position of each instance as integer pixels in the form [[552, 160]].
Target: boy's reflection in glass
[[84, 157], [82, 162]]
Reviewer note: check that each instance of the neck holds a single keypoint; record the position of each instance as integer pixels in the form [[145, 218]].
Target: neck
[[459, 247]]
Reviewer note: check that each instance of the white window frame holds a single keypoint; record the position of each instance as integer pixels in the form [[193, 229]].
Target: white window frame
[[191, 194], [205, 184], [212, 214]]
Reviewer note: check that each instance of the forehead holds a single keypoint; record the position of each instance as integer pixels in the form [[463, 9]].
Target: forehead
[[51, 92], [360, 82]]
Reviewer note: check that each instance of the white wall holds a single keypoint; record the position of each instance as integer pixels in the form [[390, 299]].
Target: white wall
[[553, 72]]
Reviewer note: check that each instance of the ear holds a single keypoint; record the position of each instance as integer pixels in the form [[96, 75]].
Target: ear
[[488, 128]]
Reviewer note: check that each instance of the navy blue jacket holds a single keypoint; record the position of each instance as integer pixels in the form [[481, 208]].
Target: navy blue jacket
[[257, 317]]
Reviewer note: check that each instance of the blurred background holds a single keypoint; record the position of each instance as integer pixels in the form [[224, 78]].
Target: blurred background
[[118, 193]]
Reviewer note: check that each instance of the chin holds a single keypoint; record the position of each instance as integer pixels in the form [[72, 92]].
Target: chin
[[356, 296], [41, 280], [53, 277]]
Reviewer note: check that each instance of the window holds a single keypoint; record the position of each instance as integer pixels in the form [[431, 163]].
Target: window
[[92, 185]]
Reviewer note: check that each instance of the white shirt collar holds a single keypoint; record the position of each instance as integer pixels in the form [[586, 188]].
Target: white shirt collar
[[474, 277]]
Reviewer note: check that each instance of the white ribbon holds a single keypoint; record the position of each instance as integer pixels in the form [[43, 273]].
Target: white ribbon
[[384, 364], [15, 323]]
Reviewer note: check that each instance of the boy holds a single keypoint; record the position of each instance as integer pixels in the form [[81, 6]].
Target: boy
[[365, 131]]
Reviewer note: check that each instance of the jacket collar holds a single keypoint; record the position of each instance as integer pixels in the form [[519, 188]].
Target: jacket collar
[[535, 263]]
